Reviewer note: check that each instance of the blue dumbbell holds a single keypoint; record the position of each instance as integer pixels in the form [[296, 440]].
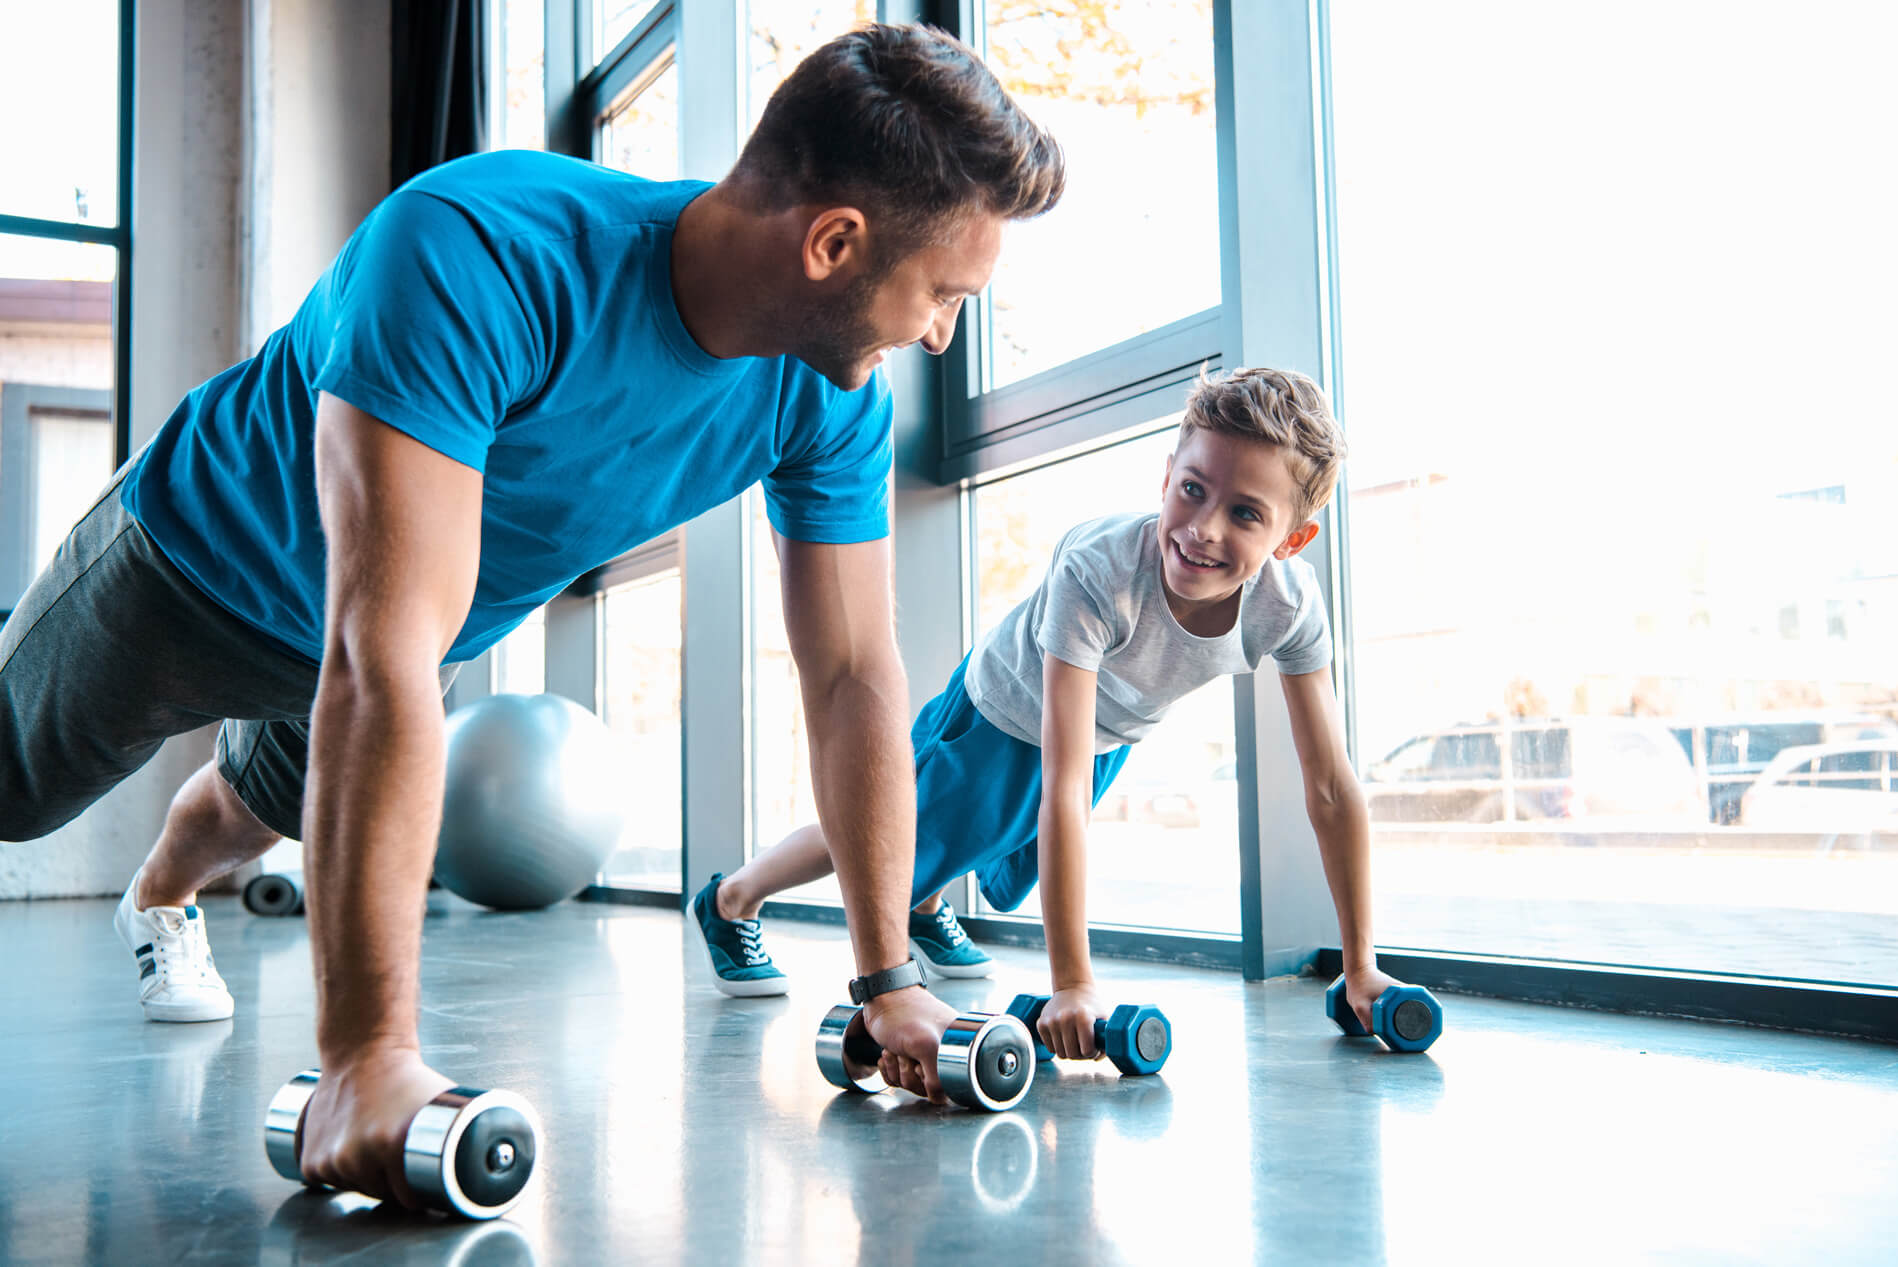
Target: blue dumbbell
[[1137, 1038], [1406, 1017]]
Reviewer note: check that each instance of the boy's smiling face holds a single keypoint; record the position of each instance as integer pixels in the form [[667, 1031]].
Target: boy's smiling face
[[1225, 508]]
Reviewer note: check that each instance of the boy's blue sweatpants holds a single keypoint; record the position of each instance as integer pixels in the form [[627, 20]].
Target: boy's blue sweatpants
[[978, 799]]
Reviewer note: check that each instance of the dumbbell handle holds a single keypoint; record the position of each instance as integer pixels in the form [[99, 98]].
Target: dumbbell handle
[[1033, 1021], [429, 1150], [847, 1056]]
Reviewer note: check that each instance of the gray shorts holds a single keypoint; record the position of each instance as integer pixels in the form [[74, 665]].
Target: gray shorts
[[111, 651]]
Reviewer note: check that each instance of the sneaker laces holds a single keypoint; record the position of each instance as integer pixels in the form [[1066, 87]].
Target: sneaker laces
[[951, 929], [751, 939], [181, 941]]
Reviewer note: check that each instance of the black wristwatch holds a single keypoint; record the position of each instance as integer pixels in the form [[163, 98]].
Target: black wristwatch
[[902, 976]]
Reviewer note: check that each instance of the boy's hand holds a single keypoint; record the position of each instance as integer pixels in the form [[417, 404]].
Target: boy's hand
[[909, 1024], [1361, 988], [1067, 1023]]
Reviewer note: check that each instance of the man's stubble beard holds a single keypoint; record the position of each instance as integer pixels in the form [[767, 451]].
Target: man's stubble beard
[[837, 335]]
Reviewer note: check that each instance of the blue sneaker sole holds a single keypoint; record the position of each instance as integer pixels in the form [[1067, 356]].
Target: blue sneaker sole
[[955, 970]]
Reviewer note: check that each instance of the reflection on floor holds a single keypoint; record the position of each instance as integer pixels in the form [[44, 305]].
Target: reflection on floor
[[682, 1126]]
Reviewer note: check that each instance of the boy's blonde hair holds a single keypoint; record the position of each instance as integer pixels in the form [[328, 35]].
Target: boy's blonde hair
[[1282, 408]]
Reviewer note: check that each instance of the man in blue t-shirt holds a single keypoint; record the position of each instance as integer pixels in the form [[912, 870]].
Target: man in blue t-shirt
[[519, 367]]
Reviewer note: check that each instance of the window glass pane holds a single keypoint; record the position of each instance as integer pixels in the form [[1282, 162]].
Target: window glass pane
[[56, 380], [59, 92], [1163, 844], [1624, 470], [784, 32], [641, 694], [782, 796], [520, 659], [523, 75], [1126, 86], [614, 20], [641, 133]]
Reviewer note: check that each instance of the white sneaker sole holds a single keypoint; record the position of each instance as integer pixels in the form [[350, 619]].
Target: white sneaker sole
[[762, 989], [189, 1012], [960, 971]]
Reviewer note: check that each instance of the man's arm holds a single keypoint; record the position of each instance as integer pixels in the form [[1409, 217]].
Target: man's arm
[[839, 615], [402, 525], [1335, 804], [1067, 801]]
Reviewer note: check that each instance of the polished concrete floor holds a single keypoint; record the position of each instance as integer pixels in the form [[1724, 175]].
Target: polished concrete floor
[[685, 1127]]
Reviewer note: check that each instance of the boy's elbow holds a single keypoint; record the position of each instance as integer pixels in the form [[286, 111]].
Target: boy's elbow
[[1334, 798]]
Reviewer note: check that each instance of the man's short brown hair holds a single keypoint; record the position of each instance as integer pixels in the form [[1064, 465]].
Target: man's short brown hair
[[1282, 408], [906, 123]]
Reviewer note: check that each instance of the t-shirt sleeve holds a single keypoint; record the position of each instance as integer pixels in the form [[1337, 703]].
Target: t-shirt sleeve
[[1076, 623], [835, 488], [425, 331], [1306, 646]]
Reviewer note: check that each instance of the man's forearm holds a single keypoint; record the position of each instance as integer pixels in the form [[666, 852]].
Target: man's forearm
[[1062, 828], [866, 800], [372, 812], [1344, 843]]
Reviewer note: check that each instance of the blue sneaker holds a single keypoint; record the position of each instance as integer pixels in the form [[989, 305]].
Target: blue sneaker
[[735, 948], [942, 946]]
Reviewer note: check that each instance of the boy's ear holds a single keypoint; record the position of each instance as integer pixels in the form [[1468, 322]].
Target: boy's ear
[[1166, 477], [1297, 539]]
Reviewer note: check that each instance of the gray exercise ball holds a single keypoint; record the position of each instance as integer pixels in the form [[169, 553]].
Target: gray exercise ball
[[533, 803]]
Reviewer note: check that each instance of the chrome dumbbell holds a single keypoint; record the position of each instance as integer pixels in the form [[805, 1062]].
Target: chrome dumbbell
[[468, 1152], [985, 1062]]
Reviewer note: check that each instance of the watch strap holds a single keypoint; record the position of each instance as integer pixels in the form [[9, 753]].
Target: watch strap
[[902, 976]]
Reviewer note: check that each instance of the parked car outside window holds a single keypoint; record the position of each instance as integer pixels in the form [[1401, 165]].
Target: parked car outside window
[[1847, 789], [1558, 768]]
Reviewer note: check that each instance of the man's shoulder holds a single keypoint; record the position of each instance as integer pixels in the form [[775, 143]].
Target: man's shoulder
[[527, 192]]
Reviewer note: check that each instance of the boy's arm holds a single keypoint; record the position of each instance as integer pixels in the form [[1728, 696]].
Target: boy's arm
[[1067, 800], [1335, 804]]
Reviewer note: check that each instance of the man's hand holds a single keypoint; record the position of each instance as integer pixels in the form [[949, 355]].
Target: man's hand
[[354, 1127], [1362, 985], [1067, 1023], [909, 1024]]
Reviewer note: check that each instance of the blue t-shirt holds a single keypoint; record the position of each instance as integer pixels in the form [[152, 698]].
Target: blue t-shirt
[[514, 312]]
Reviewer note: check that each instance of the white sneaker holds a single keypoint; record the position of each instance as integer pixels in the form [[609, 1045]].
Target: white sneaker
[[176, 979]]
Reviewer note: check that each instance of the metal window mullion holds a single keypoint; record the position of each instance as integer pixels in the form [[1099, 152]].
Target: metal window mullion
[[635, 61], [1273, 275]]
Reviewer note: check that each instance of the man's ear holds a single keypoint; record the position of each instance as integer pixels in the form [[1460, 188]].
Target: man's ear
[[1297, 539], [837, 242], [1166, 478]]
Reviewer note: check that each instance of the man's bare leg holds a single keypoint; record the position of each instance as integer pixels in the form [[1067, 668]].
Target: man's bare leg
[[208, 833]]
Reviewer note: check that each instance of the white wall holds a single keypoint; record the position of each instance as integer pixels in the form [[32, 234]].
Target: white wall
[[263, 137]]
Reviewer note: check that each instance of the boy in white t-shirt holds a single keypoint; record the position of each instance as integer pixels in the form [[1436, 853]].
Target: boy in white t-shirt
[[1135, 612]]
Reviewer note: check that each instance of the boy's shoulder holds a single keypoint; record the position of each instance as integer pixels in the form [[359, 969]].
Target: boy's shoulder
[[1113, 540]]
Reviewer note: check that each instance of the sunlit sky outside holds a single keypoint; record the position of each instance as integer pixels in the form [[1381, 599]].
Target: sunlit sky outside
[[1648, 241], [59, 97]]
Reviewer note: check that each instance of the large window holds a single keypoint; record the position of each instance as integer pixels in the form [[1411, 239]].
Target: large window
[[641, 631], [58, 91], [1623, 498], [1126, 86], [63, 243], [1162, 846]]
